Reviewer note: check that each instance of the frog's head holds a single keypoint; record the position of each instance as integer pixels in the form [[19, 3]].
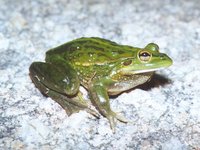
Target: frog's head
[[147, 59]]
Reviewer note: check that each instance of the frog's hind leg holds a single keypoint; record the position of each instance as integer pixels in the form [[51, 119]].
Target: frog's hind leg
[[61, 86]]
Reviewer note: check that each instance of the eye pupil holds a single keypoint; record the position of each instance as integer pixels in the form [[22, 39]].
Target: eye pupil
[[144, 54]]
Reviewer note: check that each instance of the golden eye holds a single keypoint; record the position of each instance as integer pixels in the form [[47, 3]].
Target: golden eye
[[144, 56], [128, 62]]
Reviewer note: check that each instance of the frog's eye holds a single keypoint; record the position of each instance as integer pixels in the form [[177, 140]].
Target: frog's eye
[[128, 62], [153, 47], [144, 56]]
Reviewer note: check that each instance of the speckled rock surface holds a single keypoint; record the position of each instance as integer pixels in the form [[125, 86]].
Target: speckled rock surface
[[164, 113]]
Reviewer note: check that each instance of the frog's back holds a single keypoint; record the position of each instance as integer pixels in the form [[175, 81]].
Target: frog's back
[[92, 51]]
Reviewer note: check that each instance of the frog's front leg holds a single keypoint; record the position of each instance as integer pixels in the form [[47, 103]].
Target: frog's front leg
[[99, 97]]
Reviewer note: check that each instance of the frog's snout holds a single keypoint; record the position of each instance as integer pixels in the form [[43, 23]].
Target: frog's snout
[[165, 58]]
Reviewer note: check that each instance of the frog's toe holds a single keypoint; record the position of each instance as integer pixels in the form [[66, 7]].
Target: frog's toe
[[113, 117], [112, 120], [122, 118], [93, 112]]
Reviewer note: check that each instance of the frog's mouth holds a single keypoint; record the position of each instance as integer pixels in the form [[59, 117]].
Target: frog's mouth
[[147, 70], [126, 72]]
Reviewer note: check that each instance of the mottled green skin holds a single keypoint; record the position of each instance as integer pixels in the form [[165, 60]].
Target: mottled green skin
[[95, 54], [103, 67]]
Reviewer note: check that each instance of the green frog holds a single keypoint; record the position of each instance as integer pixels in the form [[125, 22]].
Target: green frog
[[102, 67]]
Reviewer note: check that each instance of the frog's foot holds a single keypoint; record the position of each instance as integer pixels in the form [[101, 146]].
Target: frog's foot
[[89, 108], [93, 112], [74, 105], [113, 117]]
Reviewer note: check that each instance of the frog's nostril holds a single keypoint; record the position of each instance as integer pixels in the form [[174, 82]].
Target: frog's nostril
[[162, 56]]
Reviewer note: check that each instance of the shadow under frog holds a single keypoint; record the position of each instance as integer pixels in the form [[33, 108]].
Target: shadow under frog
[[155, 81]]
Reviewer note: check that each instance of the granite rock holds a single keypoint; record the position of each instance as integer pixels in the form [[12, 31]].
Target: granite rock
[[164, 113]]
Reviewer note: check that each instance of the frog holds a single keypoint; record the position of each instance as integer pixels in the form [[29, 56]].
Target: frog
[[103, 67]]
